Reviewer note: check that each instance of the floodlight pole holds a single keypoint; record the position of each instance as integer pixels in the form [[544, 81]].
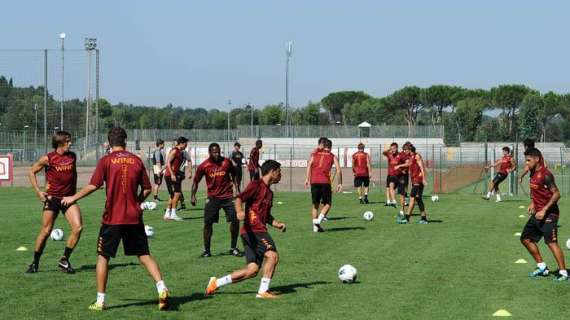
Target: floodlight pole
[[62, 37], [45, 99], [90, 45], [97, 102], [229, 112], [287, 117]]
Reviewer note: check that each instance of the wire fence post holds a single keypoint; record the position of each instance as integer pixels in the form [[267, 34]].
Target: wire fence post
[[290, 169]]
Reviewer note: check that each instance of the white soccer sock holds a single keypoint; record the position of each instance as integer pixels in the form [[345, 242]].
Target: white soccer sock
[[541, 265], [563, 272], [167, 212], [498, 197], [100, 297], [365, 193], [316, 221], [360, 198], [173, 212], [224, 281], [160, 286], [320, 218], [264, 285]]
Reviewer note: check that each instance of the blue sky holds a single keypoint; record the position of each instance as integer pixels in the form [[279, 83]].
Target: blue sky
[[202, 53]]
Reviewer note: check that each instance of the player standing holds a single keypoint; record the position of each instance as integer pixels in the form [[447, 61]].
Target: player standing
[[127, 186], [174, 177], [361, 168], [392, 180], [253, 164], [61, 176], [186, 166], [220, 178], [158, 158], [237, 160], [258, 244], [404, 176], [319, 177], [506, 164], [418, 176], [543, 221]]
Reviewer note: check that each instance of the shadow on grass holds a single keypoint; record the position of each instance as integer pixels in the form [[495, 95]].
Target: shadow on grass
[[337, 218], [435, 221], [87, 267], [344, 229], [175, 302], [286, 289]]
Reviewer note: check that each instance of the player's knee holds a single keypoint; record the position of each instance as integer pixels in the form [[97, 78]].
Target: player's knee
[[273, 256], [45, 231], [77, 229], [525, 241], [252, 271]]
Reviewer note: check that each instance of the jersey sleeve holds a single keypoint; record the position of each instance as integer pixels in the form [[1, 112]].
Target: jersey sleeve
[[199, 174], [549, 181], [249, 192], [98, 177]]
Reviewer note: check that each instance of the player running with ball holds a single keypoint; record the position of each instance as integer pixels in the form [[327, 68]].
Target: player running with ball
[[258, 244], [544, 213]]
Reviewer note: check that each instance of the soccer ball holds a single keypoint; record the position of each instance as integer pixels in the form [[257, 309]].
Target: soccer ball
[[57, 234], [149, 231], [368, 215], [148, 205], [568, 244], [435, 198], [347, 273]]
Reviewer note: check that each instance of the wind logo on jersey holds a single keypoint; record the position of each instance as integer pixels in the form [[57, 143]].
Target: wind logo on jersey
[[123, 161], [68, 167]]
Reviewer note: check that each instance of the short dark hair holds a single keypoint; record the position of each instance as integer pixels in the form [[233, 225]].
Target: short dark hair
[[507, 149], [533, 152], [394, 144], [60, 138], [360, 146], [528, 143], [117, 137], [328, 144], [181, 140], [159, 142], [322, 140], [258, 142], [412, 148], [212, 145], [268, 166], [237, 144]]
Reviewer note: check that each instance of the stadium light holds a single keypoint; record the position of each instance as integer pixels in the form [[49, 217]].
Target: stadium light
[[90, 46], [62, 37]]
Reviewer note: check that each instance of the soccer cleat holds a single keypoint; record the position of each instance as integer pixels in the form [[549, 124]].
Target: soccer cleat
[[539, 273], [560, 277], [166, 216], [164, 300], [485, 198], [386, 204], [422, 221], [32, 268], [182, 206], [401, 221], [268, 295], [235, 252], [361, 201], [366, 200], [175, 217], [97, 306], [325, 219], [318, 228], [65, 266], [206, 254], [157, 199], [211, 288]]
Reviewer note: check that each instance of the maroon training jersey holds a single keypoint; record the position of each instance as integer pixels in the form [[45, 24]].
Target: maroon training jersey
[[258, 199], [541, 181], [393, 161], [218, 177], [402, 158], [176, 161], [321, 167], [123, 173], [61, 174], [506, 163], [360, 164], [253, 159], [415, 171]]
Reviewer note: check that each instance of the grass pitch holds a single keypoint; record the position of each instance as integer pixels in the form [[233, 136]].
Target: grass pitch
[[461, 266]]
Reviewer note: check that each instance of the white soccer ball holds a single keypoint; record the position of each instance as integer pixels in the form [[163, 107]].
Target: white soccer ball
[[149, 231], [148, 205], [435, 198], [57, 234], [368, 215], [568, 244], [347, 274]]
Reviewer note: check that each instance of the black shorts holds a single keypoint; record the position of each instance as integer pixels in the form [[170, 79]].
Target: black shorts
[[54, 204], [239, 173], [173, 186], [255, 245], [254, 175], [535, 229], [158, 179], [135, 242], [403, 184], [392, 179], [321, 193], [499, 177], [361, 182], [212, 210], [417, 190]]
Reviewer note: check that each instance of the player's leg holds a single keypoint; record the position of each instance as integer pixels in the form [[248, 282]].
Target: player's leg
[[550, 231], [175, 199], [401, 193], [316, 197], [156, 187], [231, 219], [358, 187], [530, 235], [211, 216], [170, 189], [392, 193], [366, 185], [326, 199], [48, 219], [182, 201], [73, 216], [266, 247], [107, 244], [387, 192], [421, 206]]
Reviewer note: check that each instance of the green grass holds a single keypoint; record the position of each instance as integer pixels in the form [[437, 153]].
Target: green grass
[[461, 267]]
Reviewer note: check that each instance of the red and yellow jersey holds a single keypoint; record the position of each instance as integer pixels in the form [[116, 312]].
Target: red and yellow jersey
[[360, 164], [321, 166], [541, 183], [218, 177], [258, 199], [61, 174], [176, 161], [506, 164], [415, 170]]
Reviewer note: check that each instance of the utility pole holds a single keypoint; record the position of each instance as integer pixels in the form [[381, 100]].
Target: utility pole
[[288, 56], [90, 45], [45, 99], [62, 37]]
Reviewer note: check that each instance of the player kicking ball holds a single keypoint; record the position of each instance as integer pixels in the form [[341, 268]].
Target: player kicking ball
[[544, 213], [506, 165], [123, 174], [258, 244], [61, 176]]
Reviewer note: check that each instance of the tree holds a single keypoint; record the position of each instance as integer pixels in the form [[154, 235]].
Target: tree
[[468, 117], [551, 107], [531, 106], [438, 98], [335, 102], [509, 98], [272, 114], [408, 100]]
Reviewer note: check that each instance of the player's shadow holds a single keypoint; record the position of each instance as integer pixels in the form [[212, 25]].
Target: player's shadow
[[376, 202], [175, 301], [435, 221], [285, 289], [193, 218], [87, 267], [337, 218], [344, 229]]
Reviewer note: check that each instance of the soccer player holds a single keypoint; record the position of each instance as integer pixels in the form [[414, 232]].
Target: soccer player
[[392, 180], [506, 164], [237, 160], [174, 177], [544, 214], [127, 186], [253, 164], [220, 179], [361, 167], [319, 177], [258, 244], [186, 166], [418, 175], [404, 176], [61, 176], [158, 158]]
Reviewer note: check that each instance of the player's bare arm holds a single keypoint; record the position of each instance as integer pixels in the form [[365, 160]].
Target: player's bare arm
[[555, 197], [338, 173], [523, 174], [420, 162], [239, 209], [87, 190], [279, 225], [37, 167], [369, 165], [513, 166], [406, 164], [308, 176], [169, 159], [496, 164]]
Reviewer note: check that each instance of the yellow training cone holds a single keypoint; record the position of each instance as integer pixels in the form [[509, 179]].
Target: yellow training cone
[[279, 202], [521, 207], [521, 216], [22, 249], [502, 313], [518, 234], [521, 261]]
